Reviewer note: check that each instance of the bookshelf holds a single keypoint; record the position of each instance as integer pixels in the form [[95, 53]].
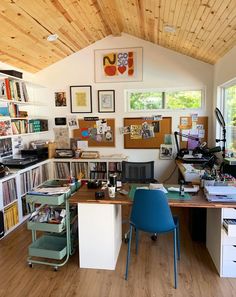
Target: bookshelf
[[13, 190], [16, 98], [88, 168]]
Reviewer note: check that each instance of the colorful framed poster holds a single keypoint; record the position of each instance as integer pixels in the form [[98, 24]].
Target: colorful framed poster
[[106, 101], [81, 99], [116, 65]]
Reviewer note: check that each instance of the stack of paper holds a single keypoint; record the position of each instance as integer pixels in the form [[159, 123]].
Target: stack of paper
[[220, 193], [50, 191]]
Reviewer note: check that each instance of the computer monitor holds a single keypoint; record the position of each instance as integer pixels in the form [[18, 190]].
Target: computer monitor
[[138, 172]]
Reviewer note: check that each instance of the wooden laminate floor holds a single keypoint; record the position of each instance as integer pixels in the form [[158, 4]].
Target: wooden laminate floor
[[150, 274]]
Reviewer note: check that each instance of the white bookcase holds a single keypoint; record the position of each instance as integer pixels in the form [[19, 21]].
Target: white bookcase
[[88, 168], [13, 189]]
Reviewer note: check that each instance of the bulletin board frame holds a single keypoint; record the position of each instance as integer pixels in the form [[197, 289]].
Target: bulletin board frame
[[165, 127], [203, 120], [83, 125]]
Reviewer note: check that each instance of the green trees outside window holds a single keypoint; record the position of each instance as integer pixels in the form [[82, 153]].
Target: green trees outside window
[[153, 100]]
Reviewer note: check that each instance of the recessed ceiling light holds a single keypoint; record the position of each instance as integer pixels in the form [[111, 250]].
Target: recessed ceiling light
[[52, 37], [169, 29]]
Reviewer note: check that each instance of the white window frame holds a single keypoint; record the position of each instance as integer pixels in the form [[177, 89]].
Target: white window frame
[[128, 91], [221, 104]]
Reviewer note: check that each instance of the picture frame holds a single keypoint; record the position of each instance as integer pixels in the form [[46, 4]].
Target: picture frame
[[106, 101], [81, 99], [166, 151], [117, 65]]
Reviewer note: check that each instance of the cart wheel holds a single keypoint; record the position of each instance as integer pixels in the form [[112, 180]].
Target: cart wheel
[[154, 237], [30, 265], [55, 268]]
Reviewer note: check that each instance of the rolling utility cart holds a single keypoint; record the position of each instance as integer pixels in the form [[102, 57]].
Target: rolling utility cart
[[51, 216]]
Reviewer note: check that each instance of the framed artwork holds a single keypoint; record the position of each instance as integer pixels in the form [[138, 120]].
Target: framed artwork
[[81, 99], [60, 98], [106, 101], [116, 65]]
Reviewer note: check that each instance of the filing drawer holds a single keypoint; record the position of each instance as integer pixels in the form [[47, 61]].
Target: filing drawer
[[229, 269], [227, 240], [230, 227], [229, 213], [229, 253]]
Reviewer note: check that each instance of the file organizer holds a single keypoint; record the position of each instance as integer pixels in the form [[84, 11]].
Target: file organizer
[[55, 241]]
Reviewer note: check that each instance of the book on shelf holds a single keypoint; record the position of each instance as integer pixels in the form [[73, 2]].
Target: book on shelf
[[12, 89], [11, 217], [5, 127], [3, 91], [4, 109]]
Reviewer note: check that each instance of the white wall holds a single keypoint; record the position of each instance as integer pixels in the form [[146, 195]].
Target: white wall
[[162, 68]]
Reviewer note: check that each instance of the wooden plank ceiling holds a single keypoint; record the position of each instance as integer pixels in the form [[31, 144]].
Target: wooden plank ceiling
[[205, 29]]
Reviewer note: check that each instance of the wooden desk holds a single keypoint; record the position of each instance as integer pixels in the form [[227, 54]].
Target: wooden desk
[[198, 200], [100, 224]]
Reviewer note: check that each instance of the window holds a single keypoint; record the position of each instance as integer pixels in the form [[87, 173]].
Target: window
[[229, 112], [149, 100]]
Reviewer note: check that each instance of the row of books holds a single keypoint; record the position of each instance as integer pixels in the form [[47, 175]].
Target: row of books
[[11, 217], [9, 191], [12, 89], [36, 177], [62, 170], [26, 207], [25, 182], [80, 170], [114, 166], [11, 110], [19, 126]]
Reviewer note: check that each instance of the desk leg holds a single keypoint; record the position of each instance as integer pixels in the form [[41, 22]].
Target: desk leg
[[99, 235]]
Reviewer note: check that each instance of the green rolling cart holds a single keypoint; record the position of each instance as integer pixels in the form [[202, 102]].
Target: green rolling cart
[[54, 245]]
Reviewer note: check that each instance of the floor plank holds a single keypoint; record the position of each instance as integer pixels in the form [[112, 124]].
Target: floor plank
[[150, 274]]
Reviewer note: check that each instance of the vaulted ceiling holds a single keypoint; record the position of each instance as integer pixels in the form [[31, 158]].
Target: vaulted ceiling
[[204, 29]]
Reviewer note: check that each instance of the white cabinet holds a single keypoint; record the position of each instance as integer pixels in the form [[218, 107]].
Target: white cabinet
[[221, 246], [13, 189], [99, 235]]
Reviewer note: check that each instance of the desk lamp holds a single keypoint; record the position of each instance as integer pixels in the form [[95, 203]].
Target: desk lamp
[[221, 121]]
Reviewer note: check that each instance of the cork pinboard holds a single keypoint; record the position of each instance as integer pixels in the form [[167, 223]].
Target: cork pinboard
[[186, 124], [164, 127], [104, 139]]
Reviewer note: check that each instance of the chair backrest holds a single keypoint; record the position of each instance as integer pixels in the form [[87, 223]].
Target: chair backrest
[[151, 212], [138, 172]]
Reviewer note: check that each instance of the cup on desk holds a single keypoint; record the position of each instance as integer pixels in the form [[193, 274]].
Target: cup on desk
[[111, 191], [208, 182]]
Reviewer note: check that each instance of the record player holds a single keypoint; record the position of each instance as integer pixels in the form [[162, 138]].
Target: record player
[[19, 162]]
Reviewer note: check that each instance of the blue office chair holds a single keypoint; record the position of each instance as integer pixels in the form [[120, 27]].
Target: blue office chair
[[151, 213]]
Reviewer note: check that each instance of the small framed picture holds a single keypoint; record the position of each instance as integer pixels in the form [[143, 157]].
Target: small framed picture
[[106, 101], [60, 98], [81, 99], [166, 151]]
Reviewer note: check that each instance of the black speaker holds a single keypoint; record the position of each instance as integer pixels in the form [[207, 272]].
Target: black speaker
[[2, 232], [60, 121]]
